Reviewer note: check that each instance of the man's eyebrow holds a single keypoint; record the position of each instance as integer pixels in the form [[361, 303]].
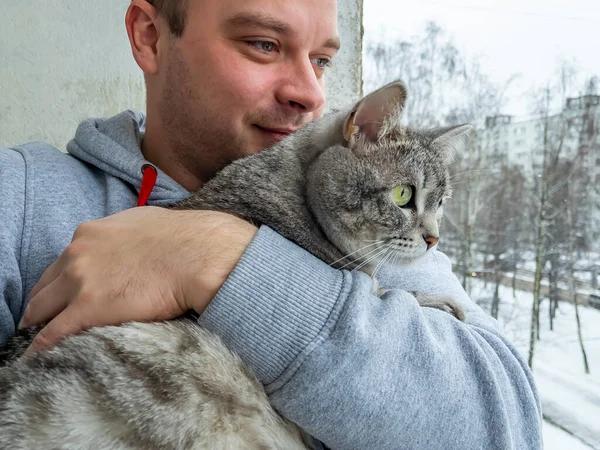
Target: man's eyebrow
[[258, 20], [333, 43]]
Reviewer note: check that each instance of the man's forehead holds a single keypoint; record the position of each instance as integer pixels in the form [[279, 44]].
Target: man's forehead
[[287, 17]]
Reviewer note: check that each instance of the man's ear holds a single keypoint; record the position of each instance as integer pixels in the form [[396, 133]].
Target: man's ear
[[368, 116], [141, 21]]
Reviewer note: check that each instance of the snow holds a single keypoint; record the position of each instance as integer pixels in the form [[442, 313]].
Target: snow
[[557, 439], [569, 397]]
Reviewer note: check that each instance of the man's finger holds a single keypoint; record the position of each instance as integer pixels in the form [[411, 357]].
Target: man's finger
[[65, 324], [47, 303], [49, 275]]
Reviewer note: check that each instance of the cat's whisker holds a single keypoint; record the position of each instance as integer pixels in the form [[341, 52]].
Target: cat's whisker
[[456, 183], [473, 171], [364, 263], [394, 259], [356, 251], [383, 261], [367, 261], [392, 255], [364, 256]]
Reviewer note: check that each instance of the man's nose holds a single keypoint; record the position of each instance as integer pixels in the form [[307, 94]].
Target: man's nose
[[302, 90]]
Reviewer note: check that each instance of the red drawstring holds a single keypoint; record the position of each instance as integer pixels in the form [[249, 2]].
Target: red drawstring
[[148, 181]]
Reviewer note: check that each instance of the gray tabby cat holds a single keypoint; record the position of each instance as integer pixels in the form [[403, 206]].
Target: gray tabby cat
[[355, 189]]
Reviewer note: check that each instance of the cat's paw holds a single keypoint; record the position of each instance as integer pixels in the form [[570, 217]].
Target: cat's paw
[[446, 304]]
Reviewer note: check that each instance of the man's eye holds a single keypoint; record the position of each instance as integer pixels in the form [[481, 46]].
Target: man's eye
[[264, 46], [321, 63]]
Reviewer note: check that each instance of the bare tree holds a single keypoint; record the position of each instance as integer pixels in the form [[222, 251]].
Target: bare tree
[[500, 227], [577, 210], [560, 165], [571, 221], [428, 64], [552, 137]]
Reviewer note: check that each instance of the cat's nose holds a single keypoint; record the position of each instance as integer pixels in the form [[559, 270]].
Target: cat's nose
[[431, 241]]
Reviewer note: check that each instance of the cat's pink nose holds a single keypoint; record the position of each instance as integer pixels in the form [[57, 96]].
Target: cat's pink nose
[[431, 241]]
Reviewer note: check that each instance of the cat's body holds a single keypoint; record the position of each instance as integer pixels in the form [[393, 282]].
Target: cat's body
[[169, 385], [354, 189]]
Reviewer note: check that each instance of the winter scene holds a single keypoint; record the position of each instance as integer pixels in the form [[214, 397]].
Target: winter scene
[[523, 225], [300, 224]]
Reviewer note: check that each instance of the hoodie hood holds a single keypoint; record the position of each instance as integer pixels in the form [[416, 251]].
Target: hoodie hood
[[113, 145]]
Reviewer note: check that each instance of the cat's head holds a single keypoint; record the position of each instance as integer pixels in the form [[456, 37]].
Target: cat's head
[[379, 195]]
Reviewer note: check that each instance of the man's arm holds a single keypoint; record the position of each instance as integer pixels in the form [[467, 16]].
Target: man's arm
[[12, 217], [358, 371], [141, 264], [355, 370]]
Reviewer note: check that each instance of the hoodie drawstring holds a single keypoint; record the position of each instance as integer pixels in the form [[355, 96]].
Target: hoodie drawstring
[[149, 174]]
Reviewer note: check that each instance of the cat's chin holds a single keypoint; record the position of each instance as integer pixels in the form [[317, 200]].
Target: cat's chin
[[407, 260]]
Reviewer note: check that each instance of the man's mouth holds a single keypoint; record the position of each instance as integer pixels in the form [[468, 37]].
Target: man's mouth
[[276, 134]]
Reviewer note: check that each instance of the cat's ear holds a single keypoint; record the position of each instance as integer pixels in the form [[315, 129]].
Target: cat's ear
[[368, 116], [451, 140]]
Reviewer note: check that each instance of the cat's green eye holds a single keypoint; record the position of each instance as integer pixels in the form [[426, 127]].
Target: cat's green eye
[[402, 194]]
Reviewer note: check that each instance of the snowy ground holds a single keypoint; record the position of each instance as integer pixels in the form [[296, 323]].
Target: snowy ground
[[557, 439], [570, 398]]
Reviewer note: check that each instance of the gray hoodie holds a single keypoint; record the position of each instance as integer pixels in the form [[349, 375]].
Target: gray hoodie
[[353, 369]]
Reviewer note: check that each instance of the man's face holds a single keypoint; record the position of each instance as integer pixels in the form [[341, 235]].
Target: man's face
[[244, 74]]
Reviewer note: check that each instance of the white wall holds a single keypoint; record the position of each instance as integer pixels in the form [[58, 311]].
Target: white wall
[[344, 83], [62, 61]]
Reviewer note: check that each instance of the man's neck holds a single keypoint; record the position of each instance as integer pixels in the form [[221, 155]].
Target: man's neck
[[157, 150]]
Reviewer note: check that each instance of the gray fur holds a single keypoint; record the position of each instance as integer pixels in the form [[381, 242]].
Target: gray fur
[[17, 345], [169, 385], [173, 385]]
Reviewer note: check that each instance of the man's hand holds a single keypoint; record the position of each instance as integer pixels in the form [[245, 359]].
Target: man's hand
[[141, 264]]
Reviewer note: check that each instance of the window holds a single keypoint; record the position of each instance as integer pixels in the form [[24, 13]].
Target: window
[[541, 109]]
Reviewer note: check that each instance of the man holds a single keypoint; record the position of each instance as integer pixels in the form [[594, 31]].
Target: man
[[226, 78]]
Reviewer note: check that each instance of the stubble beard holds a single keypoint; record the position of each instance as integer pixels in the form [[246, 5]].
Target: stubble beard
[[198, 143]]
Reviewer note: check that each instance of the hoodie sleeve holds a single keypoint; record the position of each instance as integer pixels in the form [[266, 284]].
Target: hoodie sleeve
[[359, 371], [12, 218]]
